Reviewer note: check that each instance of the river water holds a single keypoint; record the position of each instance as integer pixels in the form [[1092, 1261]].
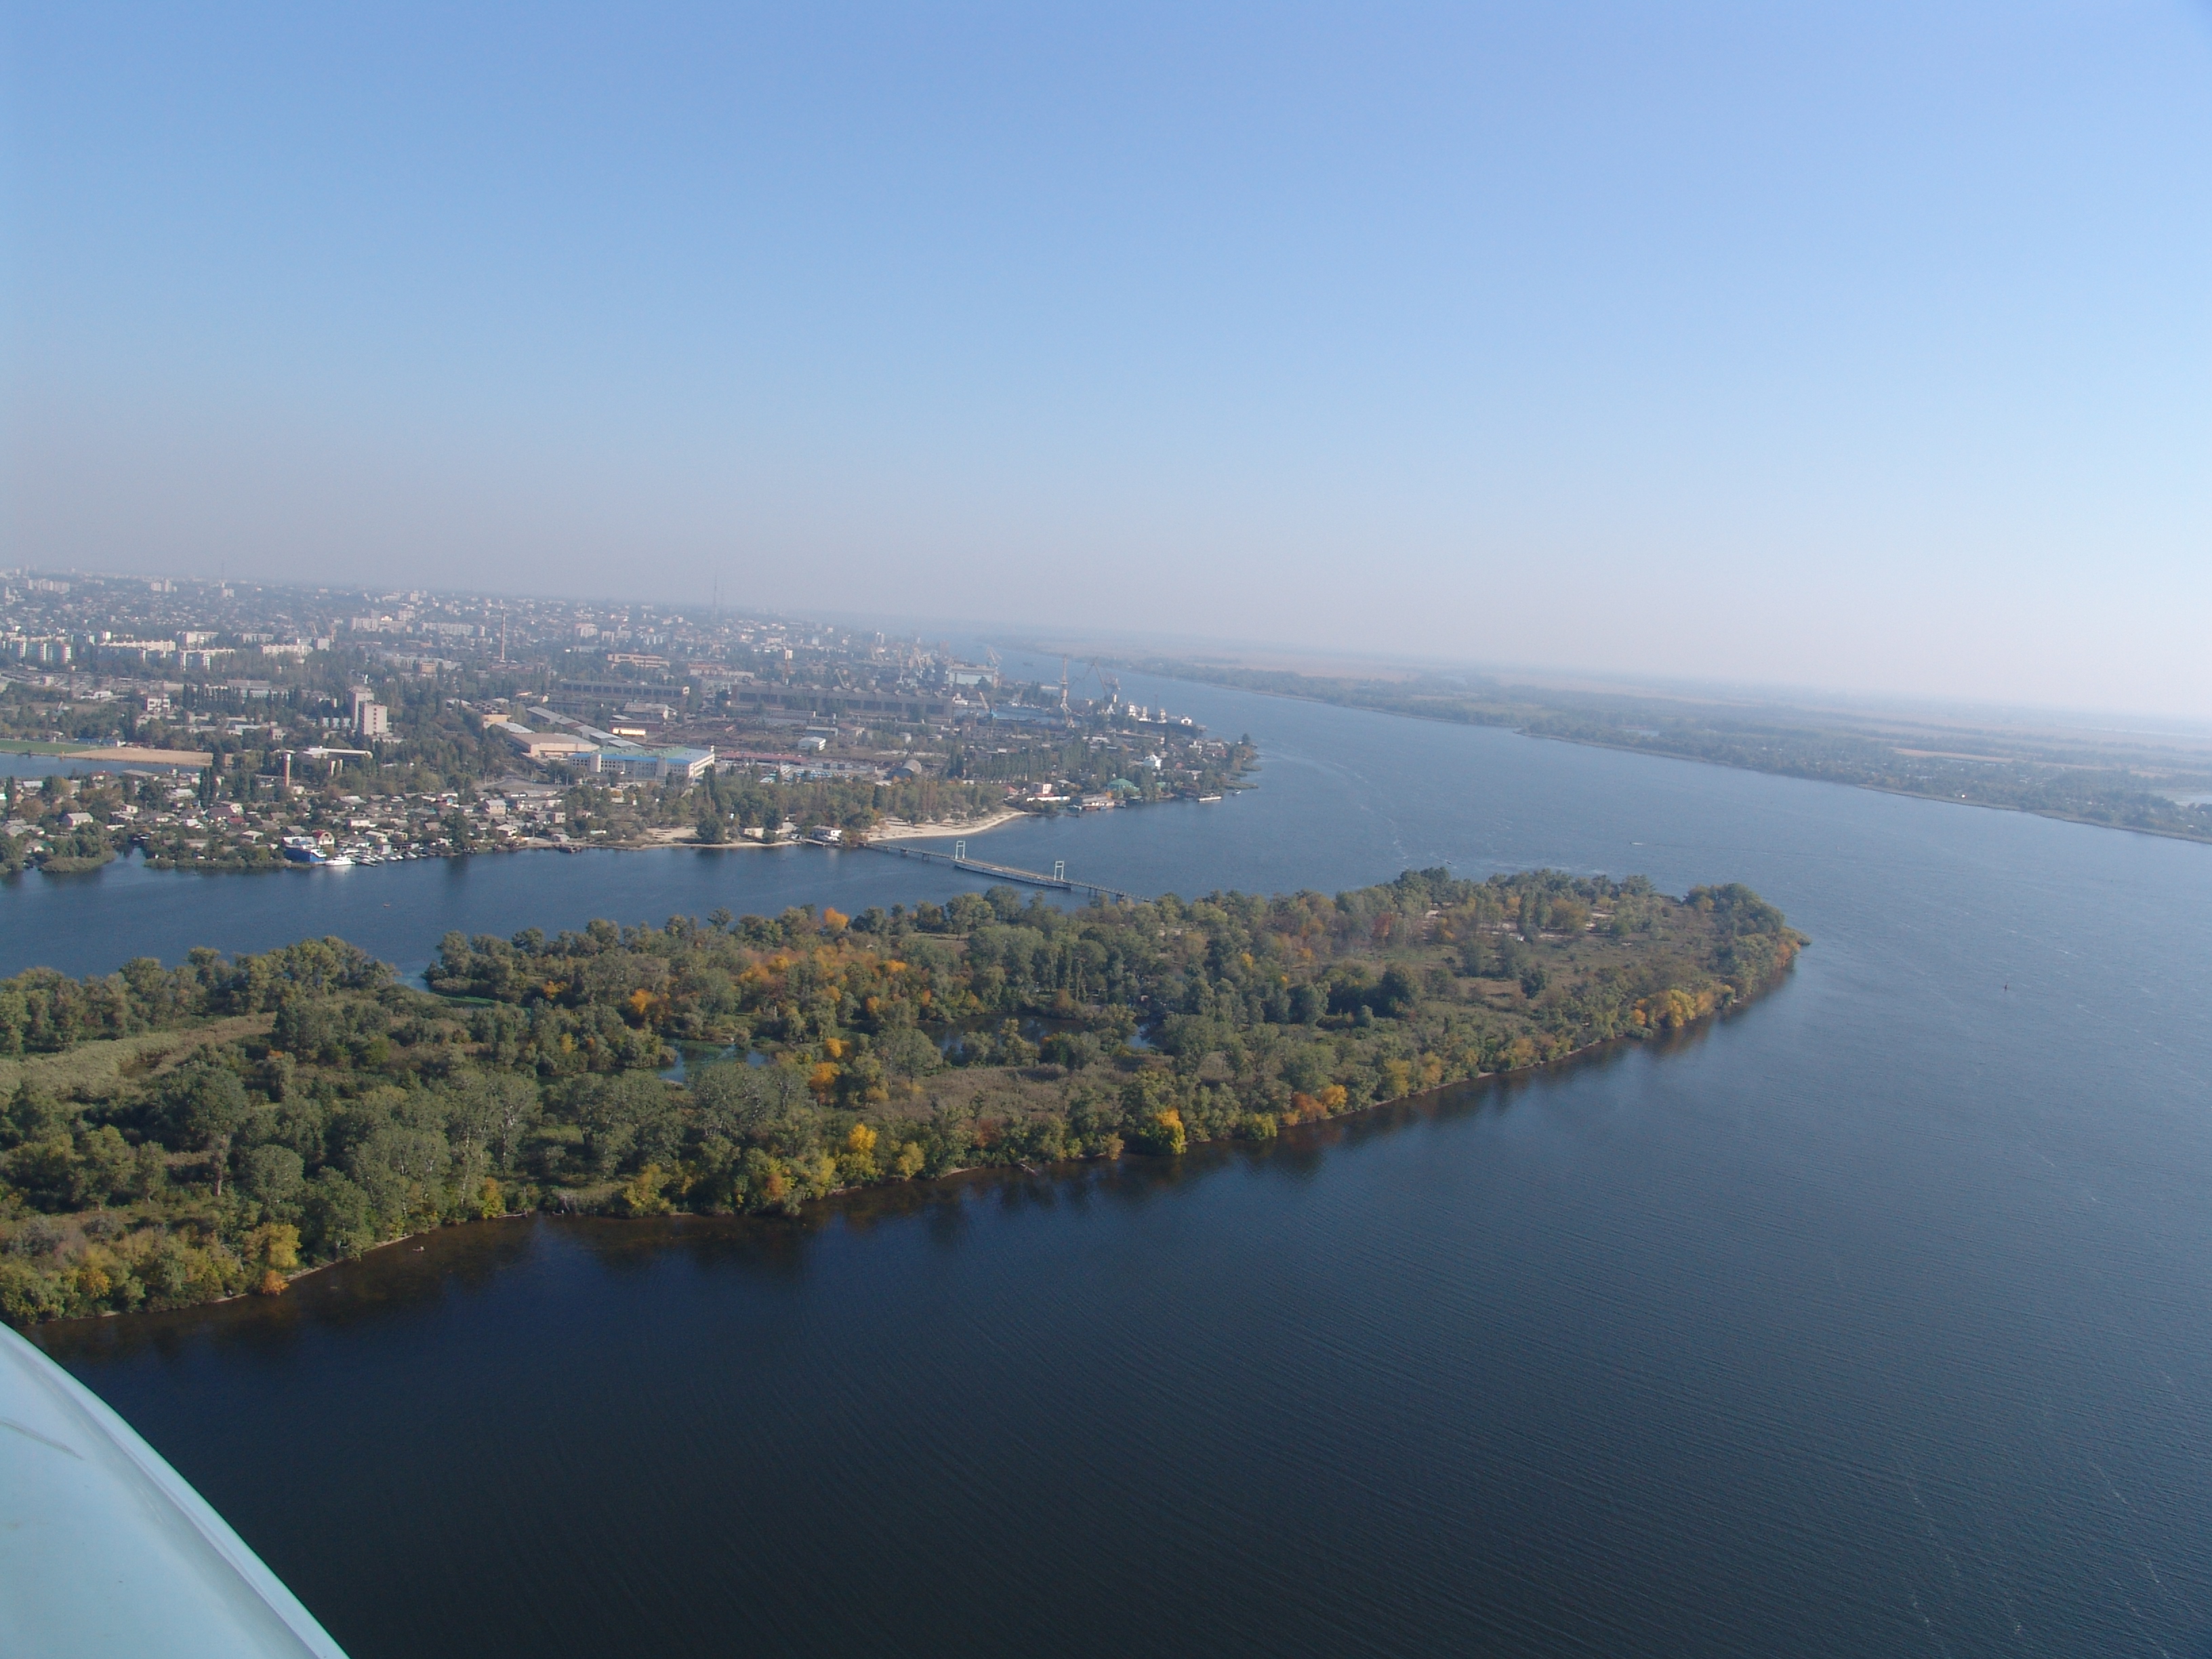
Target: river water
[[1876, 1319]]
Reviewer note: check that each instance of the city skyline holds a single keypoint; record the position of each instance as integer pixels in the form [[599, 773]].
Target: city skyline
[[732, 610]]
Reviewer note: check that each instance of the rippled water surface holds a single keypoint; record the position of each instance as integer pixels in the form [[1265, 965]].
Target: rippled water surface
[[1877, 1319]]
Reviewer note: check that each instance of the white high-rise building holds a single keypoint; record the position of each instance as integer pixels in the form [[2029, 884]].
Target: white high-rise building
[[371, 719]]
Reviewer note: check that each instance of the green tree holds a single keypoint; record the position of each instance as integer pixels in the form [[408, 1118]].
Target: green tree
[[274, 1178], [213, 1109], [32, 1114]]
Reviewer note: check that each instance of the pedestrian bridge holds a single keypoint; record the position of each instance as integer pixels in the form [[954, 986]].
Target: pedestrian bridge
[[958, 858]]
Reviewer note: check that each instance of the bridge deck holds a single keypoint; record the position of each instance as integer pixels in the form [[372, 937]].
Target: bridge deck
[[1005, 872]]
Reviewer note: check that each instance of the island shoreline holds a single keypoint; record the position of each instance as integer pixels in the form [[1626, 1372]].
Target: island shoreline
[[987, 1031], [840, 1200]]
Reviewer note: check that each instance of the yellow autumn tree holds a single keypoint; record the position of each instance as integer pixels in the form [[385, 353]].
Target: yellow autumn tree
[[857, 1162], [641, 1195], [275, 1246]]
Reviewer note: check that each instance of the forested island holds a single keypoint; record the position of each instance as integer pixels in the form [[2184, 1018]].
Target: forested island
[[176, 1135]]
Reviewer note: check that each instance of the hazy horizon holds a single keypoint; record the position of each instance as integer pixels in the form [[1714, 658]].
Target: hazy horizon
[[1853, 350]]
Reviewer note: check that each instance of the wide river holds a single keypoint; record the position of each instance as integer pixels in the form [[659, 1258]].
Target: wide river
[[1876, 1320]]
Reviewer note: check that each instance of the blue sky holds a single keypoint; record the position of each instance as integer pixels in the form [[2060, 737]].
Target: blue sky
[[1862, 346]]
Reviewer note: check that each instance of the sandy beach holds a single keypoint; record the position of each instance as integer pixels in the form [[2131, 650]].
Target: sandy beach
[[899, 829], [890, 829]]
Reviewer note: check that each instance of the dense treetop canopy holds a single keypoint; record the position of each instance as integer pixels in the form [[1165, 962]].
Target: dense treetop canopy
[[172, 1134]]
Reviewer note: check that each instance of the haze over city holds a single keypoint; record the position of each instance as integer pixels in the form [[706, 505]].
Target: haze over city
[[1858, 347]]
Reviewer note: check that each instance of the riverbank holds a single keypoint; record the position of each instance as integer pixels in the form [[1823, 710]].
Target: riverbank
[[268, 860], [243, 824], [666, 838], [897, 829], [890, 829]]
